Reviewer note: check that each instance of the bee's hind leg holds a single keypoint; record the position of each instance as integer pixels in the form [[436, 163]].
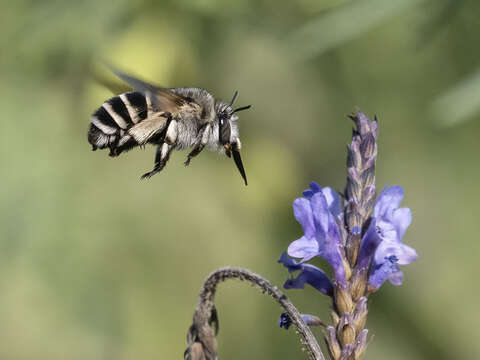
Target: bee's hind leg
[[161, 158], [202, 141]]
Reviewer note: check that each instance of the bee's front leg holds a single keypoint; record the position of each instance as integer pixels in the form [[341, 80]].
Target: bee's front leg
[[196, 150], [201, 142], [161, 157]]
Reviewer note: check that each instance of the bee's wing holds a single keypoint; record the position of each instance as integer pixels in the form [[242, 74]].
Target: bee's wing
[[162, 99], [116, 86]]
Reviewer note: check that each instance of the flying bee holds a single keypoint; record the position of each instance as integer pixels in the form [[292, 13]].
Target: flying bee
[[170, 118]]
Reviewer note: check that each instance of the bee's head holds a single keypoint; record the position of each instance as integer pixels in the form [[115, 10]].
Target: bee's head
[[228, 132]]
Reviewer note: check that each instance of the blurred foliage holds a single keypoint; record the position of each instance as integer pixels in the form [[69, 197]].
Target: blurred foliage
[[97, 264]]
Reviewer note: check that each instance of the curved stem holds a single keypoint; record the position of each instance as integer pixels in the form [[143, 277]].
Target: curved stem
[[202, 332]]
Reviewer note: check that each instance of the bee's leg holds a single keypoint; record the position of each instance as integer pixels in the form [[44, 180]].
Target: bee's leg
[[171, 134], [196, 150], [203, 139], [161, 157]]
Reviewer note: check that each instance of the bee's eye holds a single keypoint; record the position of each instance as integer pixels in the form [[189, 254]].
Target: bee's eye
[[224, 131]]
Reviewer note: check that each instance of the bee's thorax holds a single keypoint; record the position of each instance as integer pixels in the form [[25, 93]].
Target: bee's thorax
[[201, 97]]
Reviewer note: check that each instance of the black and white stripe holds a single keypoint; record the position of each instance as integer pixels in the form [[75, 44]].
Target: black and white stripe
[[111, 121], [136, 104]]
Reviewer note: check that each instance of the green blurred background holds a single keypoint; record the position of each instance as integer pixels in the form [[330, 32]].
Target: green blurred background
[[96, 264]]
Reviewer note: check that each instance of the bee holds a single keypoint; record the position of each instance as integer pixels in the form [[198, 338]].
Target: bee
[[171, 119]]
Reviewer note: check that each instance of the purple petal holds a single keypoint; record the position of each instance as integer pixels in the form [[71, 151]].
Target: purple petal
[[335, 261], [370, 242], [331, 253], [289, 263], [284, 321], [389, 199], [333, 201], [303, 213], [308, 193], [327, 236], [403, 253], [321, 214], [396, 278], [313, 276], [386, 230], [406, 255], [402, 219], [303, 248], [315, 187], [380, 273]]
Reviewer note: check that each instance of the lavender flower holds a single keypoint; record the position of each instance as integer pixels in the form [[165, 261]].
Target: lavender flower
[[309, 274], [382, 244], [362, 243], [318, 213]]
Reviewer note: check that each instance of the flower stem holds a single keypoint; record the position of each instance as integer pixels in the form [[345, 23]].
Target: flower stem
[[201, 336]]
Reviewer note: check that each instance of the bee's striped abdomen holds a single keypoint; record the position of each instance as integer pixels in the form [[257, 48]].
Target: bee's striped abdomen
[[136, 104], [111, 121]]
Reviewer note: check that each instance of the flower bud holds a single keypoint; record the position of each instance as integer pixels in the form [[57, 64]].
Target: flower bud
[[360, 314], [284, 321], [354, 157], [347, 335], [354, 175], [358, 285], [347, 352], [364, 125], [335, 318], [348, 269], [360, 345], [345, 330], [353, 243], [343, 300], [369, 197], [352, 214], [368, 147], [333, 345], [368, 176]]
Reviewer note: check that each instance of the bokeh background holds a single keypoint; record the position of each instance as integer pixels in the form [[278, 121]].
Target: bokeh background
[[96, 264]]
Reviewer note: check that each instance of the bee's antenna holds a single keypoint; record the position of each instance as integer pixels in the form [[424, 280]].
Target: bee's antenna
[[242, 108], [234, 97]]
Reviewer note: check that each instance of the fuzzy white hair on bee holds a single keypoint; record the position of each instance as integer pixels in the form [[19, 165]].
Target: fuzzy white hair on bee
[[171, 119]]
